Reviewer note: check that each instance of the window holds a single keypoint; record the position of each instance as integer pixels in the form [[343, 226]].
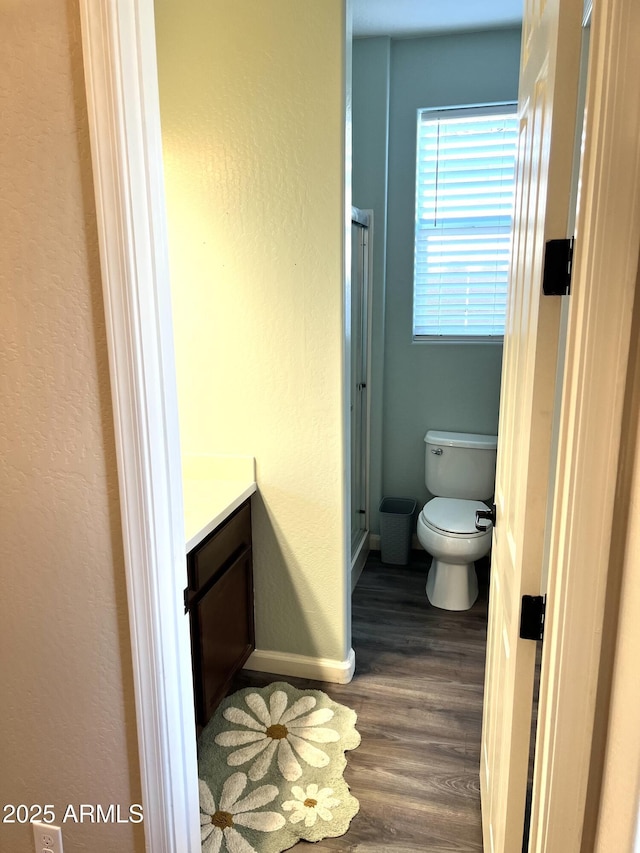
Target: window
[[464, 200]]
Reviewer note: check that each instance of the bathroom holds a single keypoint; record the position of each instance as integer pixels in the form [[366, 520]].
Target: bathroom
[[267, 382], [257, 265], [418, 385], [257, 276]]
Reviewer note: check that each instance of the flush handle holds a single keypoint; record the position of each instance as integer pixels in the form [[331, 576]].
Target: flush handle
[[485, 515], [437, 451]]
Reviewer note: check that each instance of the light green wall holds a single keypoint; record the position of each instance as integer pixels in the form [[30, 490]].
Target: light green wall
[[253, 120], [429, 385]]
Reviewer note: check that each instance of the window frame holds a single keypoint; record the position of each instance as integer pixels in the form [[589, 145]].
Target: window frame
[[497, 108]]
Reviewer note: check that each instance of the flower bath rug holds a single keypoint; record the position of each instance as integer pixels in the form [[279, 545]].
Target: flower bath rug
[[270, 763]]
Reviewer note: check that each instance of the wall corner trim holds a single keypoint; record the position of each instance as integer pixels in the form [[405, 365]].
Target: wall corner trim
[[302, 666]]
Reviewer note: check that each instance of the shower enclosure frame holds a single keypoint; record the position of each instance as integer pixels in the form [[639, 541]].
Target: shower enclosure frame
[[360, 325]]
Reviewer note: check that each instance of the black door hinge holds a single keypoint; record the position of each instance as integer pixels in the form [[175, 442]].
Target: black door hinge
[[532, 617], [558, 265]]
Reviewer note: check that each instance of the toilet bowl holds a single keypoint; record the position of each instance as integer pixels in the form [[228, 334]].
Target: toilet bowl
[[447, 531]]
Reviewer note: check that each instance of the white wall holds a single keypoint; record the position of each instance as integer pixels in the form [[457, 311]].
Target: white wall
[[252, 105], [67, 718]]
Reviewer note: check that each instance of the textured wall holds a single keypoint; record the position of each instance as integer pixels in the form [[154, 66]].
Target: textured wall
[[252, 104], [67, 722], [430, 385]]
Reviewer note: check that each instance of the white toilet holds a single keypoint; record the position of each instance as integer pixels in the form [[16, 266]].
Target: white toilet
[[460, 471]]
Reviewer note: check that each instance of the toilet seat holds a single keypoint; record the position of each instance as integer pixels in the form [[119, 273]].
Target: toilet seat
[[453, 517]]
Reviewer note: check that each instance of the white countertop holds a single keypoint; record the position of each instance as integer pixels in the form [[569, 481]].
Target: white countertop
[[212, 487]]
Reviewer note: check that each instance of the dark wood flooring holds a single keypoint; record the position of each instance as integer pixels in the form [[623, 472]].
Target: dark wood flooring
[[417, 691]]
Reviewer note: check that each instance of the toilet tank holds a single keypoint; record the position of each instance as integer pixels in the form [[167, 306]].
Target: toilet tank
[[460, 465]]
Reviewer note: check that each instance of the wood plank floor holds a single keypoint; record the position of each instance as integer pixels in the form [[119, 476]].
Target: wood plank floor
[[418, 695]]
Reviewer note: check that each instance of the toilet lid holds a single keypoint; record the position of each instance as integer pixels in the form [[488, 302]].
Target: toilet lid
[[453, 515]]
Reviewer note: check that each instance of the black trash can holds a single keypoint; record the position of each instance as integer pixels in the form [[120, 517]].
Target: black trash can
[[396, 528]]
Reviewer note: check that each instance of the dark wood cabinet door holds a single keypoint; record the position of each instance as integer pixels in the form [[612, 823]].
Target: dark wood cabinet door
[[220, 548], [219, 598], [222, 634]]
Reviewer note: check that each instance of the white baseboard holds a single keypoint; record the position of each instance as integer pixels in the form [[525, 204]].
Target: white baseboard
[[358, 565], [356, 571], [301, 666]]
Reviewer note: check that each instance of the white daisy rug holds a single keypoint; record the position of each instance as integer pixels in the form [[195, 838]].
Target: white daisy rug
[[270, 763]]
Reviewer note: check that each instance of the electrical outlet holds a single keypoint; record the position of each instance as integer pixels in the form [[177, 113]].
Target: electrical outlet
[[48, 838]]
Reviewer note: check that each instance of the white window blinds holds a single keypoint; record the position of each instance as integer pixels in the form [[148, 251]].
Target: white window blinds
[[464, 200]]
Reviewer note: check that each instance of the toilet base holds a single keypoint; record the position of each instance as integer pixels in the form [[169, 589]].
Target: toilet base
[[450, 586]]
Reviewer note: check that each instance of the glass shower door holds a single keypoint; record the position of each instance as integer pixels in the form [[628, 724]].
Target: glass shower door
[[359, 379]]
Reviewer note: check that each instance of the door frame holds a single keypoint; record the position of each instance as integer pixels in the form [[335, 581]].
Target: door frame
[[118, 39], [118, 43]]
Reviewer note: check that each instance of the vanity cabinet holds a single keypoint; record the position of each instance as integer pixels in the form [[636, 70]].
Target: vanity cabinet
[[219, 600]]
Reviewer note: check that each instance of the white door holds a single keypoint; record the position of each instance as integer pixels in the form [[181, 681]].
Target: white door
[[591, 538], [549, 76]]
